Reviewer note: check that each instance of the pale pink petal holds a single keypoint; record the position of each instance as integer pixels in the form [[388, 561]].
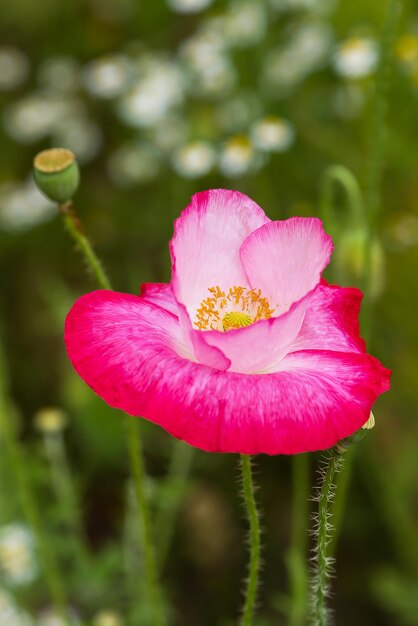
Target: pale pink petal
[[331, 321], [258, 348], [205, 247], [129, 352], [285, 259], [161, 294]]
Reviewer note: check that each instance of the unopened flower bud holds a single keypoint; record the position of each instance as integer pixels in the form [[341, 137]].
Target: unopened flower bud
[[56, 174], [50, 420], [343, 445]]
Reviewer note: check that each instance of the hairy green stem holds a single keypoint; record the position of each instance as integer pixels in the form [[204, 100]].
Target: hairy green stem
[[320, 579], [133, 436], [27, 498], [342, 485], [253, 517], [147, 544], [296, 557], [170, 500], [74, 228]]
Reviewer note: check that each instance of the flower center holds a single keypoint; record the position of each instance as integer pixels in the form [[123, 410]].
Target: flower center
[[236, 308]]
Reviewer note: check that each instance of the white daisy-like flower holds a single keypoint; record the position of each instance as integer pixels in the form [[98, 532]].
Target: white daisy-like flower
[[107, 76], [237, 156], [17, 558], [356, 57], [158, 91], [194, 159], [272, 134], [23, 206]]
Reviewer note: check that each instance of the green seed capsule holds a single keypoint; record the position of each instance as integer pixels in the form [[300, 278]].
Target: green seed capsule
[[56, 174]]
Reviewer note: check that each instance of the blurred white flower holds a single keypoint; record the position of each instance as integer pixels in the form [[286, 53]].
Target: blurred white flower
[[356, 57], [194, 159], [133, 164], [237, 156], [10, 614], [80, 135], [209, 68], [35, 116], [50, 420], [59, 74], [14, 68], [107, 76], [306, 51], [272, 134], [189, 6], [245, 23], [107, 617], [22, 206], [17, 559], [159, 90]]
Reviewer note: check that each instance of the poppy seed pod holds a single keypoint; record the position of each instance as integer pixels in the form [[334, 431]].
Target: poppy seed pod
[[56, 174]]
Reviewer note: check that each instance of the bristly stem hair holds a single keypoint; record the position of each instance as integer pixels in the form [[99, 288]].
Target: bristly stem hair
[[252, 582], [323, 534]]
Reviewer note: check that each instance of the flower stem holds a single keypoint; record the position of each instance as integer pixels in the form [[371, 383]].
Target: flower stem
[[136, 457], [296, 557], [74, 228], [323, 562], [27, 497], [253, 517], [93, 263], [340, 175]]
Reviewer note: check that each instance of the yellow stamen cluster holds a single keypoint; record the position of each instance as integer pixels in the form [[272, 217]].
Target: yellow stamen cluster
[[236, 308]]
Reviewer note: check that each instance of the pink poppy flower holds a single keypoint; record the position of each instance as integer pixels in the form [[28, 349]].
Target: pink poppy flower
[[247, 349]]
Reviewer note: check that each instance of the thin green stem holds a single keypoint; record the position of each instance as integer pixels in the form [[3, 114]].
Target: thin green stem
[[323, 561], [334, 176], [133, 436], [342, 485], [170, 499], [296, 557], [74, 228], [253, 517], [147, 544], [27, 498]]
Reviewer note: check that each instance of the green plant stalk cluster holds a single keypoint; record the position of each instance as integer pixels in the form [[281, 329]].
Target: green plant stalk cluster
[[93, 263], [28, 502]]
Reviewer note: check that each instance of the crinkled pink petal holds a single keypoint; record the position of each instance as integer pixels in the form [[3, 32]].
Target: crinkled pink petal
[[331, 321], [285, 259], [258, 348], [130, 352], [161, 294], [205, 247]]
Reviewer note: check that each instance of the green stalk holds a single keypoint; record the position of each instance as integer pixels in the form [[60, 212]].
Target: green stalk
[[334, 176], [253, 517], [323, 534], [93, 263], [53, 579], [147, 544], [296, 557]]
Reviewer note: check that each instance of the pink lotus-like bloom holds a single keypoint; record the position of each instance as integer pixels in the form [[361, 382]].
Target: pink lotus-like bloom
[[247, 349]]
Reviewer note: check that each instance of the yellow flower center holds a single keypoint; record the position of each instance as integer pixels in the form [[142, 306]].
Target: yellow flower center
[[236, 308]]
